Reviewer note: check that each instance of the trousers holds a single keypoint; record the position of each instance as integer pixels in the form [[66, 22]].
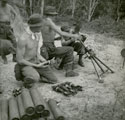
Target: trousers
[[78, 47], [22, 72], [66, 52], [6, 32]]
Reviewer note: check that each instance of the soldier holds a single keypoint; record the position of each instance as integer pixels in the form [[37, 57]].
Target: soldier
[[7, 15], [49, 29], [33, 66], [78, 47], [6, 49]]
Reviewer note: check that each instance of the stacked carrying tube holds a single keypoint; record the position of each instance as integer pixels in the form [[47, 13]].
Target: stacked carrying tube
[[29, 105]]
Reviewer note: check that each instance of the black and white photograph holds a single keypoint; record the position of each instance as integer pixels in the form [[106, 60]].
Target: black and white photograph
[[62, 59]]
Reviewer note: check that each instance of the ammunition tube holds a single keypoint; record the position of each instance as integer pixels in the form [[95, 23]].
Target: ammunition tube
[[4, 109], [39, 106], [28, 103], [55, 110], [13, 109], [23, 115], [45, 112], [50, 117]]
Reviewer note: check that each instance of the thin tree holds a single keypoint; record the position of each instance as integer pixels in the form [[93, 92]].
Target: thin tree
[[60, 4], [42, 7], [118, 10], [92, 5], [31, 6], [73, 7]]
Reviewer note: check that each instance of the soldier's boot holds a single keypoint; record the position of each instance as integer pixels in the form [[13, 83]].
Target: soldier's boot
[[69, 71], [4, 59], [80, 62], [61, 66], [28, 82], [14, 58]]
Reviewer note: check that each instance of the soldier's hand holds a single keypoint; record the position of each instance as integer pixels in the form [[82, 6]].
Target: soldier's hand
[[72, 40], [83, 38], [92, 53], [42, 65], [79, 37]]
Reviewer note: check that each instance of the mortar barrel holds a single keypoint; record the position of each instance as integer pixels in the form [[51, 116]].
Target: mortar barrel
[[27, 102], [39, 106], [4, 109], [23, 115], [13, 109], [55, 110]]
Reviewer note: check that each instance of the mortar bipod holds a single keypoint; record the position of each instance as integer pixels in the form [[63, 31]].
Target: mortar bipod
[[97, 62]]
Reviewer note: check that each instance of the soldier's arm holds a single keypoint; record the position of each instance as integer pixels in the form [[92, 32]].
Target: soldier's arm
[[41, 58], [57, 29], [21, 45], [64, 40], [12, 10], [65, 43]]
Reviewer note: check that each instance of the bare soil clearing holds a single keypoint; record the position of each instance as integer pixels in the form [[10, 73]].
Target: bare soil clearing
[[97, 101]]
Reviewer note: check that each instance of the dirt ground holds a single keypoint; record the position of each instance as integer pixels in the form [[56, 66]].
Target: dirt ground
[[97, 101]]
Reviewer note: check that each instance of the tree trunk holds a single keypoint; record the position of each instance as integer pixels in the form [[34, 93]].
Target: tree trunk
[[118, 10], [42, 7], [23, 2], [92, 5], [60, 5], [31, 7], [73, 7]]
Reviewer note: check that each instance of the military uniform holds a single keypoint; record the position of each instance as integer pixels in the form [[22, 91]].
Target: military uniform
[[6, 48], [78, 47], [49, 50], [6, 32]]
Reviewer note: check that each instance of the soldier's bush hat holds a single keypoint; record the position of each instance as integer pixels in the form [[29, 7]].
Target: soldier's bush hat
[[65, 28], [50, 10], [35, 20]]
